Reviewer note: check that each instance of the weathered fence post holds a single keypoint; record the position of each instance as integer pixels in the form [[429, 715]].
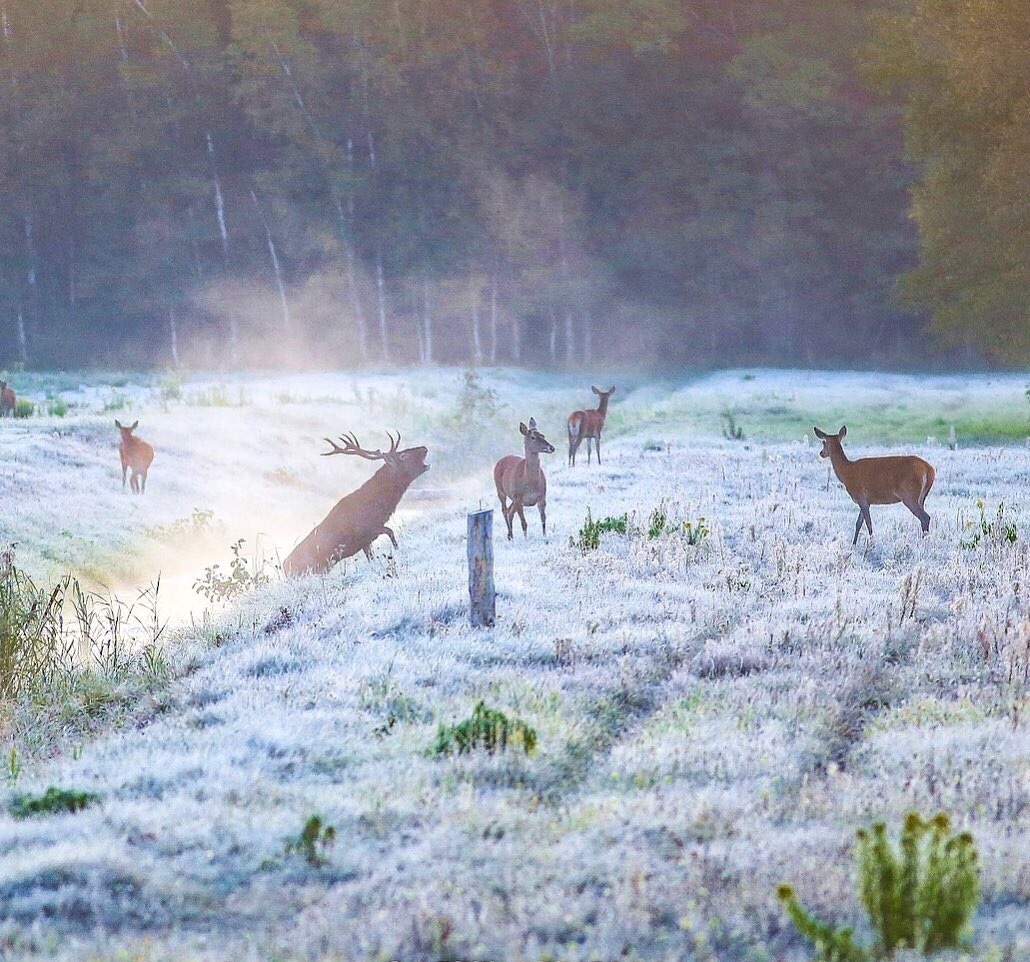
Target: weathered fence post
[[482, 607]]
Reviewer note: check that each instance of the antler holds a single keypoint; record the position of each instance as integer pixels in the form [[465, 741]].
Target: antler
[[353, 446]]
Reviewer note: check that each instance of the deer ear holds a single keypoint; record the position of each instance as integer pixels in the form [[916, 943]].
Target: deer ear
[[843, 432], [611, 390], [135, 424], [594, 389], [821, 435], [117, 424], [532, 424], [523, 428]]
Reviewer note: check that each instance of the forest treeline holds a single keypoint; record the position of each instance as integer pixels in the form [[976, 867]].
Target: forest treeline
[[562, 182]]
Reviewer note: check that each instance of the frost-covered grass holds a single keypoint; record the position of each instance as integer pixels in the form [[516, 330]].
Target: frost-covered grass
[[713, 714]]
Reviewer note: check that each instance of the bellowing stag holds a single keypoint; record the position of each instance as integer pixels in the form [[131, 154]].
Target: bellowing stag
[[360, 517]]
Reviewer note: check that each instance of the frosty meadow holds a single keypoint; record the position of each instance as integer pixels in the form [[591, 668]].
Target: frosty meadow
[[719, 693]]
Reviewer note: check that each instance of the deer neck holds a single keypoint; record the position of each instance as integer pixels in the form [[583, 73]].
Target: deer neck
[[602, 408], [532, 466], [841, 463]]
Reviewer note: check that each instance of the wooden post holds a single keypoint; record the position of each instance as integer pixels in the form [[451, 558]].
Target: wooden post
[[482, 606]]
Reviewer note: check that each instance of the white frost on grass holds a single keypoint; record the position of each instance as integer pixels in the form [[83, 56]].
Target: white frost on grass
[[713, 718]]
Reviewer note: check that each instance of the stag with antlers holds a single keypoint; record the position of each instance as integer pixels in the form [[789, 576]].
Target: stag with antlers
[[360, 517]]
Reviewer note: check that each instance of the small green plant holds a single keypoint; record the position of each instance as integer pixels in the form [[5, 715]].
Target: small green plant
[[198, 524], [24, 408], [488, 729], [116, 402], [13, 765], [216, 396], [730, 429], [920, 899], [51, 802], [653, 445], [1000, 529], [657, 523], [476, 401], [58, 408], [217, 585], [314, 840], [169, 388], [696, 532], [590, 533]]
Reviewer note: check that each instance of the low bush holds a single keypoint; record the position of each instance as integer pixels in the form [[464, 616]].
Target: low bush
[[219, 585], [487, 729], [920, 899], [24, 408], [999, 530], [313, 842], [590, 533], [52, 802]]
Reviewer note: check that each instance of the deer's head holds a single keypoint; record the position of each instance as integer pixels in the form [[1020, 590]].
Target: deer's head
[[407, 464], [126, 431], [3, 386], [830, 439], [603, 395], [536, 443]]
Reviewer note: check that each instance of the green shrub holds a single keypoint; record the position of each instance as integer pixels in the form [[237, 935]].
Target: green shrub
[[730, 429], [314, 840], [652, 445], [219, 586], [920, 899], [57, 408], [51, 802], [696, 532], [590, 533], [117, 402], [24, 408], [169, 388], [488, 729], [216, 396], [999, 530]]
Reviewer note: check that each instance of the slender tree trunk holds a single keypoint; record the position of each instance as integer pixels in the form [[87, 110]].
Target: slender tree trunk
[[516, 339], [352, 280], [427, 322], [198, 265], [174, 336], [477, 344], [23, 341], [274, 257], [588, 340], [553, 343], [223, 233], [384, 337], [493, 320]]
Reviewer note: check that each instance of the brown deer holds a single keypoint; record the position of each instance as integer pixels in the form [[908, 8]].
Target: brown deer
[[8, 400], [588, 424], [904, 479], [359, 518], [522, 479], [135, 454]]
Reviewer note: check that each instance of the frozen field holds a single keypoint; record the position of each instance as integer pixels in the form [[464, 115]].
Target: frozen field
[[713, 717]]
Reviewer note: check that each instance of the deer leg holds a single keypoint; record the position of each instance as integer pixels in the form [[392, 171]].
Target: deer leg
[[368, 551], [597, 445], [134, 482], [509, 514], [868, 519], [125, 469], [144, 485], [858, 526], [517, 506], [916, 508], [541, 506], [385, 530]]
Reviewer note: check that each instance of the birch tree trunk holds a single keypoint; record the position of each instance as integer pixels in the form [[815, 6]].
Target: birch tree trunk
[[477, 344], [174, 337], [493, 320], [553, 345], [274, 257], [23, 341], [352, 280], [427, 322], [384, 337]]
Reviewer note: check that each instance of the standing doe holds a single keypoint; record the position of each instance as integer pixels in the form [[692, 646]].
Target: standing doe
[[588, 424], [359, 518], [8, 401], [136, 454], [522, 479], [905, 479]]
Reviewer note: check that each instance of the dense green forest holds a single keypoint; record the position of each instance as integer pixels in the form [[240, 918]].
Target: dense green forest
[[563, 182]]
